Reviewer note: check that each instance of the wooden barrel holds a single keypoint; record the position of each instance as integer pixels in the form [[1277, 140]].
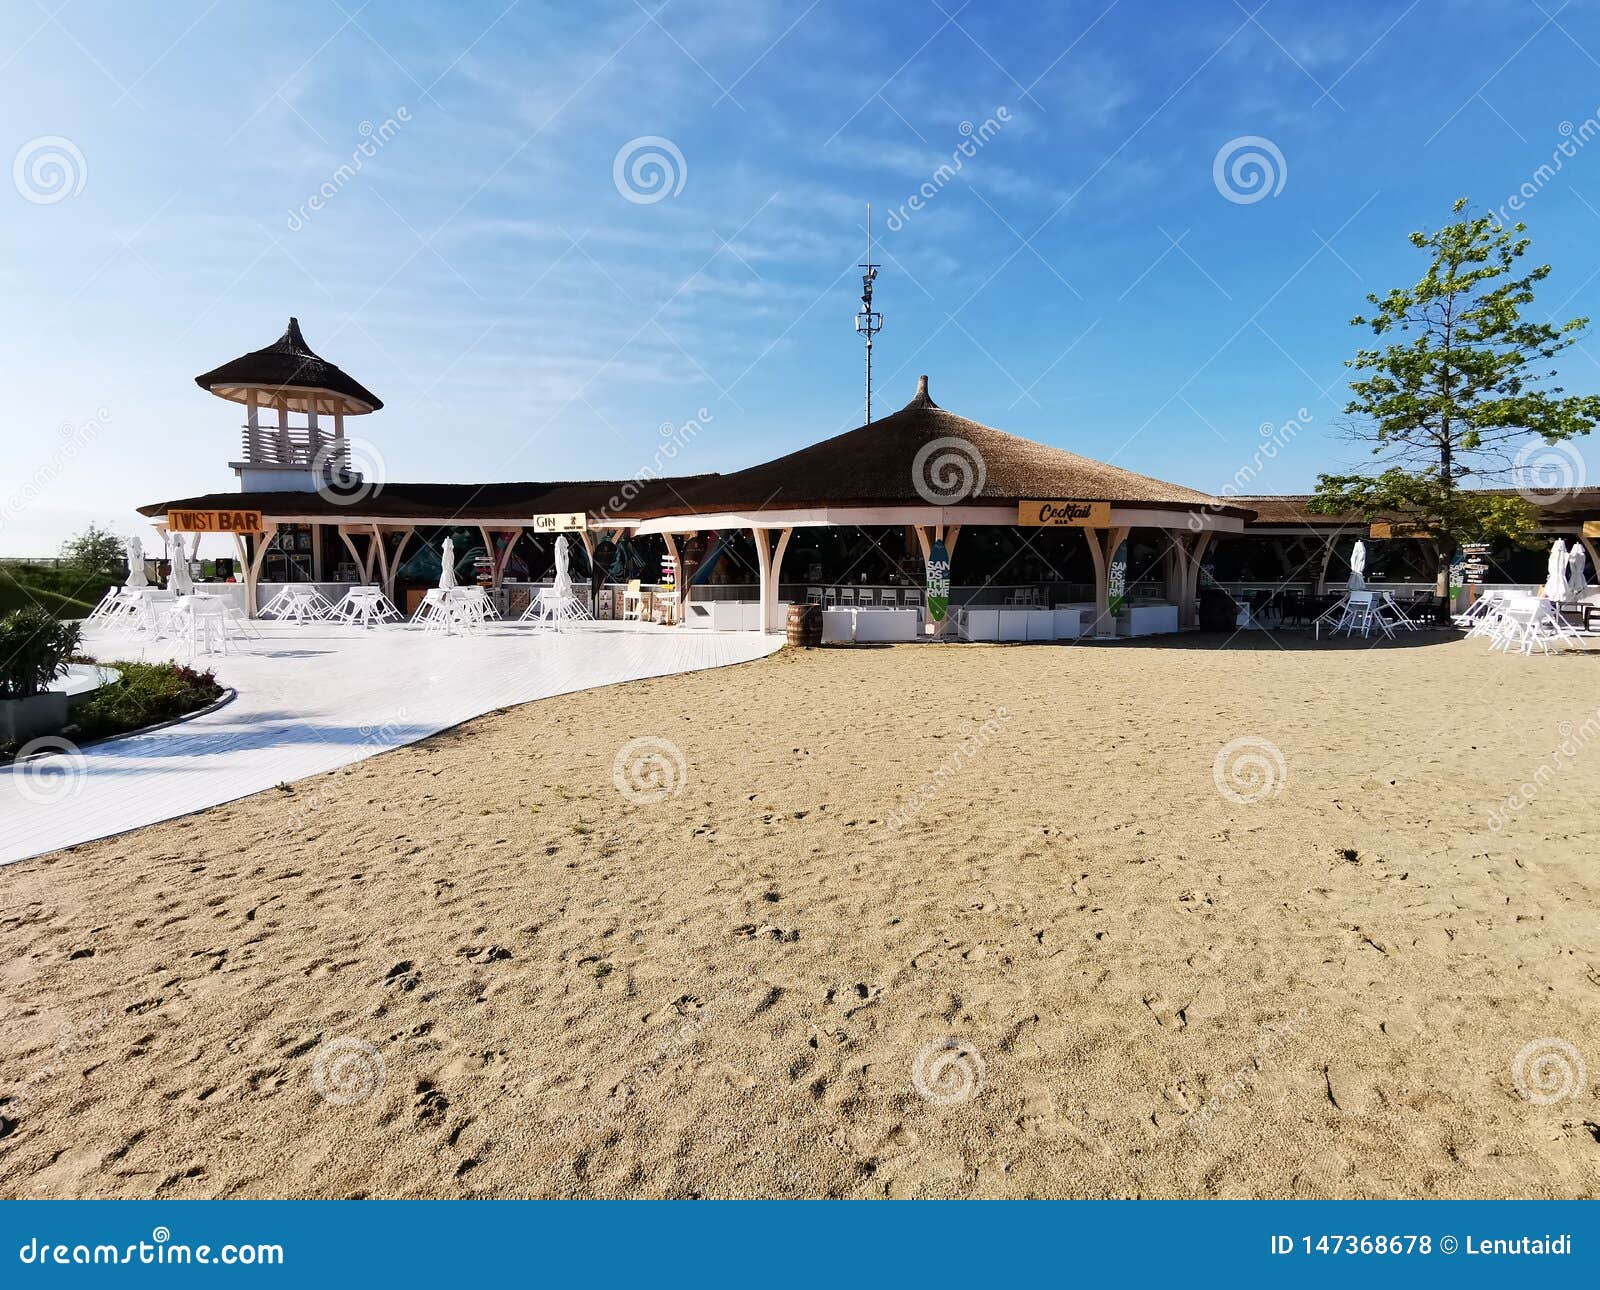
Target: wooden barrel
[[805, 625]]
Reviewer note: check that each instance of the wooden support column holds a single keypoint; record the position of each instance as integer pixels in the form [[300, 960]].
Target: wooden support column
[[1188, 612], [504, 561], [363, 566], [252, 451], [316, 552], [1097, 554], [678, 588], [1322, 571], [1103, 544], [771, 563], [380, 555], [499, 563], [406, 535], [1175, 564], [253, 570]]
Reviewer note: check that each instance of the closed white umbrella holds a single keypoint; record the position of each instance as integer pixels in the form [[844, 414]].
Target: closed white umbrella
[[1577, 578], [181, 582], [1555, 581], [563, 587], [136, 574], [1358, 567], [447, 565]]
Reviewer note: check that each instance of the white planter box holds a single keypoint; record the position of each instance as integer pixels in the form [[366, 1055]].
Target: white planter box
[[42, 714], [1040, 624], [1147, 620], [980, 624], [887, 624], [1067, 624]]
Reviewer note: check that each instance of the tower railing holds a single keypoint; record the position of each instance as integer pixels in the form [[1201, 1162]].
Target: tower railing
[[301, 446]]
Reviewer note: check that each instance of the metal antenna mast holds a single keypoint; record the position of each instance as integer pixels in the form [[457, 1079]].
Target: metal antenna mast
[[868, 323]]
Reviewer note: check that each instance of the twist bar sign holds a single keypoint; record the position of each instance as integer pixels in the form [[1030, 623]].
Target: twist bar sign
[[215, 522]]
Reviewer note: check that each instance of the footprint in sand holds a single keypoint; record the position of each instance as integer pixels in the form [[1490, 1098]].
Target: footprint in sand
[[1038, 1118], [1166, 1013], [431, 1104]]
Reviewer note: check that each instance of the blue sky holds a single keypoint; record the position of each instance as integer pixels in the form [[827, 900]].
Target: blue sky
[[1083, 280]]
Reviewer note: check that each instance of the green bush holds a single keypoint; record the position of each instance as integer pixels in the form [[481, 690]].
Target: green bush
[[65, 592], [34, 648], [146, 695]]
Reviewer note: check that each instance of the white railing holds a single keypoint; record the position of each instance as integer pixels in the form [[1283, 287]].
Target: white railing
[[294, 446]]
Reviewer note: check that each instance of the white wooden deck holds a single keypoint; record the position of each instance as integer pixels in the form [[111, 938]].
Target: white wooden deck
[[315, 697]]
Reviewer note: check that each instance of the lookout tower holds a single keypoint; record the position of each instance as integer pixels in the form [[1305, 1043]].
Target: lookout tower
[[278, 384]]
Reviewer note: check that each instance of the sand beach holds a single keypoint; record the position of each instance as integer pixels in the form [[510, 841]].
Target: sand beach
[[1151, 919]]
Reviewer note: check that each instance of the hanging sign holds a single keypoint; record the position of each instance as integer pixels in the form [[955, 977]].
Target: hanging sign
[[938, 580], [1064, 515], [1117, 580], [1591, 528], [572, 521], [215, 522]]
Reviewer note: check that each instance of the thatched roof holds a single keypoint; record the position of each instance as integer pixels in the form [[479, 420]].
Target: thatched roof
[[442, 503], [289, 367], [922, 454], [1291, 508]]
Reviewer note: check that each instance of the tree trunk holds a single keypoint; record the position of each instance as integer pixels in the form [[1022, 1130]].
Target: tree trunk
[[1441, 580]]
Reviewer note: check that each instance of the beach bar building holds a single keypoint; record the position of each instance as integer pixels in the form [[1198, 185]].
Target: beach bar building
[[1040, 543]]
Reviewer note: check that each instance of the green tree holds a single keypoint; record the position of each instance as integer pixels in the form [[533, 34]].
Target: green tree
[[98, 552], [1460, 388]]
